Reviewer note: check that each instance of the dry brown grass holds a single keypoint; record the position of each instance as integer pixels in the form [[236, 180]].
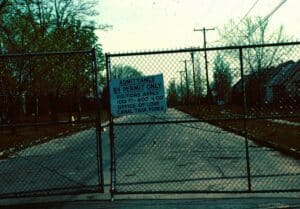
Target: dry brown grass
[[285, 136]]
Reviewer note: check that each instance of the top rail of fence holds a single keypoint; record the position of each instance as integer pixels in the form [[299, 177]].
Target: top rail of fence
[[49, 53], [198, 49]]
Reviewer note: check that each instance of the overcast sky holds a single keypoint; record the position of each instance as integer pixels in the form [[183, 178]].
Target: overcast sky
[[140, 25]]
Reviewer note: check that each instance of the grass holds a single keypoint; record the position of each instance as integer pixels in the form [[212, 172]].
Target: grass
[[12, 140], [281, 136]]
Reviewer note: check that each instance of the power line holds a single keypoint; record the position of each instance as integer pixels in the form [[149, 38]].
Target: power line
[[247, 13], [269, 15], [275, 9], [251, 8], [264, 19]]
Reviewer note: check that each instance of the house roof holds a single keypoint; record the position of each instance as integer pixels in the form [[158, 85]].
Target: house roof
[[269, 77], [238, 85], [284, 72], [291, 73]]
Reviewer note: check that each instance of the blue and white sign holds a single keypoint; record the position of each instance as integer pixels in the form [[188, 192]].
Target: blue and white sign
[[137, 95]]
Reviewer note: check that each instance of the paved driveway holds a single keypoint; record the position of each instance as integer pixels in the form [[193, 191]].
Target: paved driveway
[[194, 157], [63, 163], [151, 158]]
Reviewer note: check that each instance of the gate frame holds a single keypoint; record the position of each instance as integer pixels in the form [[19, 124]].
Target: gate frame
[[99, 188], [246, 117]]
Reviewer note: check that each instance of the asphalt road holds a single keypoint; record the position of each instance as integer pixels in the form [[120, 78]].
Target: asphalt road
[[194, 157], [66, 162], [151, 158]]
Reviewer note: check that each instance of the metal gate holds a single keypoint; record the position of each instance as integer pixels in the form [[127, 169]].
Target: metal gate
[[231, 125], [50, 124]]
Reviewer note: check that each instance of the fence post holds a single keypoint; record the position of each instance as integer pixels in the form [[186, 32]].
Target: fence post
[[245, 112], [98, 122], [111, 131]]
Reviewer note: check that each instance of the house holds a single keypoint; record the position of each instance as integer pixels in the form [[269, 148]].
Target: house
[[237, 90], [274, 85], [288, 85], [269, 86]]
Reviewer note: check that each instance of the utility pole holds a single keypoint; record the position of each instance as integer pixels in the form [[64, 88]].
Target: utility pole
[[194, 78], [209, 94], [181, 86], [186, 78]]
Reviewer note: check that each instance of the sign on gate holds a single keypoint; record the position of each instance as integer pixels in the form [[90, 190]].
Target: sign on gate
[[137, 95]]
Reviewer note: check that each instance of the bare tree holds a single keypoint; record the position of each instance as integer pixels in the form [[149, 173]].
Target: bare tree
[[252, 31], [46, 25]]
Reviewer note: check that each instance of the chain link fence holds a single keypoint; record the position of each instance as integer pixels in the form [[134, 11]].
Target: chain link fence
[[50, 125], [232, 122]]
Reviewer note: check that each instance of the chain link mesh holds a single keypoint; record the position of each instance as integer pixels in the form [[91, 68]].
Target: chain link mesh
[[48, 142], [232, 123]]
